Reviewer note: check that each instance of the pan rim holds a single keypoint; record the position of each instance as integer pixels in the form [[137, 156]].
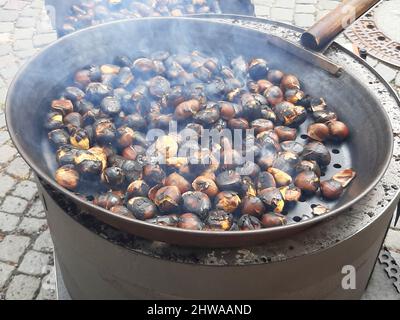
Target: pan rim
[[172, 230]]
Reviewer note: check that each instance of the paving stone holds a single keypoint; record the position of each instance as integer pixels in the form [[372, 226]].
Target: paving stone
[[24, 33], [25, 53], [26, 189], [285, 3], [4, 137], [34, 263], [307, 1], [32, 225], [8, 15], [14, 205], [386, 72], [22, 287], [6, 184], [36, 210], [25, 22], [8, 222], [7, 60], [9, 72], [44, 39], [6, 26], [20, 45], [328, 5], [30, 12], [12, 247], [2, 120], [392, 241], [5, 272], [48, 287], [15, 5], [282, 14], [304, 20], [19, 169], [262, 11], [5, 48], [305, 8], [6, 153], [44, 243]]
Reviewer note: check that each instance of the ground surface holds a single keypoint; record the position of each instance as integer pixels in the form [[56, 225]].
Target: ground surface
[[26, 260]]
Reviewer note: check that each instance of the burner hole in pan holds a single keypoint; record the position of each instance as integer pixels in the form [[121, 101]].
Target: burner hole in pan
[[335, 151], [296, 219], [370, 26], [381, 38], [304, 136], [89, 198], [313, 205], [398, 48], [393, 270], [323, 174], [337, 166]]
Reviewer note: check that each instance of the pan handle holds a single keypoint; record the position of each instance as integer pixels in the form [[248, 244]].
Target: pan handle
[[332, 24]]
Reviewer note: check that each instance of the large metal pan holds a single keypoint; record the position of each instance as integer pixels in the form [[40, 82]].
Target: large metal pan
[[368, 150]]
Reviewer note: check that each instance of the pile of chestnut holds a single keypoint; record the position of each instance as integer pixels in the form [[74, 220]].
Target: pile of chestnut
[[87, 13], [98, 128]]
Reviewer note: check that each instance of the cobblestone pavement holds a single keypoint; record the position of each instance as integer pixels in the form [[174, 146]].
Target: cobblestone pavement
[[26, 260]]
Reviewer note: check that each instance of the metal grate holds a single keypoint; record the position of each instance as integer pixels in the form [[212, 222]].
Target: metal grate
[[376, 32]]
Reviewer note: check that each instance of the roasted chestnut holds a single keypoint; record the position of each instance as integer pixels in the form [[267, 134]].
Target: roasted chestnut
[[291, 194], [270, 220], [258, 69], [311, 165], [87, 162], [113, 176], [281, 177], [286, 133], [190, 221], [261, 125], [248, 222], [219, 220], [54, 120], [324, 116], [318, 131], [153, 174], [318, 152], [104, 130], [227, 201], [344, 177], [107, 200], [229, 180], [62, 106], [265, 180], [206, 185], [338, 130], [170, 220], [274, 95], [290, 115], [273, 199], [293, 147], [290, 81], [58, 137], [307, 181], [175, 179], [168, 198], [97, 91], [252, 206], [110, 106], [142, 208], [331, 189], [122, 211], [196, 202], [138, 188], [67, 177], [275, 76], [187, 109], [79, 138]]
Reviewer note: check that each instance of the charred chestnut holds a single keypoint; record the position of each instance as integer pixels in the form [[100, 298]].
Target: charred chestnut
[[88, 163], [170, 220], [168, 198], [289, 114], [138, 188], [318, 152], [142, 208], [219, 220], [197, 203], [324, 116], [206, 185], [107, 200], [258, 69], [187, 109], [113, 176], [274, 95], [229, 180], [273, 199], [248, 222], [97, 91], [54, 120], [62, 106], [67, 177], [260, 125], [122, 211], [80, 139], [227, 201], [275, 76], [159, 86], [208, 115], [153, 174], [265, 180], [110, 106], [331, 189], [104, 130], [58, 137]]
